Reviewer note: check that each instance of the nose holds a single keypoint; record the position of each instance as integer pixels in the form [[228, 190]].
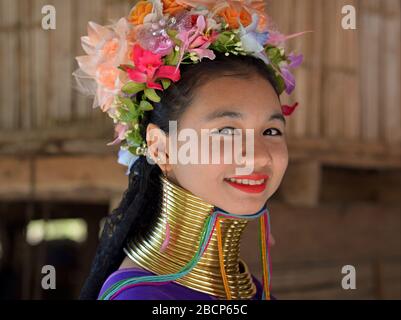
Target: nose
[[262, 157], [255, 155]]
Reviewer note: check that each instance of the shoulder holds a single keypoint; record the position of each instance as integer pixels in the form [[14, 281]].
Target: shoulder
[[134, 292], [155, 291], [142, 292]]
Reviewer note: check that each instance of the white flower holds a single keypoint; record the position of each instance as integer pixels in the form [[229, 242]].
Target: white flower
[[126, 158], [253, 41], [157, 12]]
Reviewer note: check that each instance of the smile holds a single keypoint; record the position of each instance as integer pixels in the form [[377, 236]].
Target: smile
[[248, 185]]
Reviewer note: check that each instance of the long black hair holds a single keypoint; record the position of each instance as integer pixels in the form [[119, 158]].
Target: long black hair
[[138, 209]]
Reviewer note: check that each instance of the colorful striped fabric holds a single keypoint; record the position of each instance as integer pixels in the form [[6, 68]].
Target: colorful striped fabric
[[167, 291]]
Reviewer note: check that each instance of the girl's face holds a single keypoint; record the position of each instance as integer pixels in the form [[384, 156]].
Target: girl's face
[[222, 105]]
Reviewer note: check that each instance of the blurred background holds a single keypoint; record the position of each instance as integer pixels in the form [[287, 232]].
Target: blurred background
[[339, 203]]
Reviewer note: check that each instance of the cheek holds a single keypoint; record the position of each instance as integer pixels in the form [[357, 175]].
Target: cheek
[[203, 181], [280, 160], [224, 150], [215, 152], [204, 170]]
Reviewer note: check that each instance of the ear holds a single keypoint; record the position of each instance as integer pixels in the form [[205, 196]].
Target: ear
[[157, 142]]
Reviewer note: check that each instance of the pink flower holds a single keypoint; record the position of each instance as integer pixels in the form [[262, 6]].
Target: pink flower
[[194, 40], [106, 48], [200, 45], [149, 68], [288, 77], [154, 37], [278, 39], [120, 131]]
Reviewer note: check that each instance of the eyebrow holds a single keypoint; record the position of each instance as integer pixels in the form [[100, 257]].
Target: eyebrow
[[238, 115]]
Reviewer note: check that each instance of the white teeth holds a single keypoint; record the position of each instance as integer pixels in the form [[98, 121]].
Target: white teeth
[[247, 182]]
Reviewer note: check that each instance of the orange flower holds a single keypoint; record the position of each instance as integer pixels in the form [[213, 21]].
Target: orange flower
[[172, 7], [107, 76], [231, 15], [262, 23], [110, 48], [139, 12]]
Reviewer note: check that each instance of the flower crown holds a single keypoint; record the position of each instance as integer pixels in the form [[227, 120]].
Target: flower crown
[[142, 53]]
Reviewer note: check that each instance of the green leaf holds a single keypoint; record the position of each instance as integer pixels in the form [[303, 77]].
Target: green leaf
[[280, 84], [173, 36], [172, 58], [128, 110], [152, 95], [133, 87], [133, 148], [135, 138], [124, 67], [279, 81], [134, 122], [129, 104], [274, 55], [223, 38], [145, 106], [126, 116], [166, 83]]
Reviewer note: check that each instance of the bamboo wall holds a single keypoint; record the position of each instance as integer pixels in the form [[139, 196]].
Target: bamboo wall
[[348, 87], [350, 83]]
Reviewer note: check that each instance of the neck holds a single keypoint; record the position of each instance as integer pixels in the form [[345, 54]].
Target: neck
[[186, 215]]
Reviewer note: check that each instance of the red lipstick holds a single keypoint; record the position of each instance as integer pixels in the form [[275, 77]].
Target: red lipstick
[[247, 187]]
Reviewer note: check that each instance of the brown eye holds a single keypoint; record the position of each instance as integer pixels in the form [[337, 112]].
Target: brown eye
[[227, 131], [275, 131]]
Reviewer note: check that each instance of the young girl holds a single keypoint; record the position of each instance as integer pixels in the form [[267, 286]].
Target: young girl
[[219, 71]]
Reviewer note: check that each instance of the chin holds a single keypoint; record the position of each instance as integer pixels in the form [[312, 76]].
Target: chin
[[242, 209]]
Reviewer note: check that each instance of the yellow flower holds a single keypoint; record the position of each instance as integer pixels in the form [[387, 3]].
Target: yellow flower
[[139, 12]]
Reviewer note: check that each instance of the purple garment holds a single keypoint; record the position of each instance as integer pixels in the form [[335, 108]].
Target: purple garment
[[169, 291]]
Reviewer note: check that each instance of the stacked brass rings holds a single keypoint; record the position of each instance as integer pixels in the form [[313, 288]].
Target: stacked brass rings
[[186, 215]]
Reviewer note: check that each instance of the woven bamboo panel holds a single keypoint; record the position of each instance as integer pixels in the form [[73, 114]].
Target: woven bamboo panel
[[348, 87]]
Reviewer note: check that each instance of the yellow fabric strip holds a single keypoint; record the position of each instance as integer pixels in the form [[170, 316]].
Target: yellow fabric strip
[[264, 258], [221, 259]]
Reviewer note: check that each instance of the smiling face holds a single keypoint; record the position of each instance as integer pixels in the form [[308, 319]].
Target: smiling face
[[222, 105]]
